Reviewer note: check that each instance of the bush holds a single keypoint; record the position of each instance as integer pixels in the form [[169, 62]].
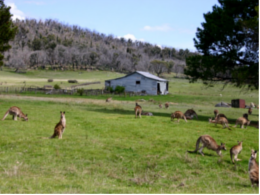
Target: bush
[[56, 86], [80, 91], [110, 89], [72, 81], [120, 89]]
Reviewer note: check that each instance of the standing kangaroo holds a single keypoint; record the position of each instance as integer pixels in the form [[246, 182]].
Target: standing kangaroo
[[138, 110], [190, 113], [242, 121], [60, 127], [208, 142], [249, 110], [15, 111], [166, 105], [215, 112], [235, 150], [178, 115], [220, 119], [253, 169]]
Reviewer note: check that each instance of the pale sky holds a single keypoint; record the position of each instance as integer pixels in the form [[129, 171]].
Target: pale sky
[[171, 23]]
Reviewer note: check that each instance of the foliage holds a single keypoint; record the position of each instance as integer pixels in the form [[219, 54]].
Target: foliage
[[80, 91], [7, 29], [56, 86], [119, 89], [110, 89], [159, 66], [228, 43]]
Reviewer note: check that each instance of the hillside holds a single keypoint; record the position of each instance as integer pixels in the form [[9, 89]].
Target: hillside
[[40, 44]]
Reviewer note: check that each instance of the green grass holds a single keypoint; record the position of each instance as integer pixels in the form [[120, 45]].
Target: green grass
[[106, 150]]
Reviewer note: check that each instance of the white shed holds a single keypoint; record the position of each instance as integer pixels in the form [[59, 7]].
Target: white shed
[[140, 81]]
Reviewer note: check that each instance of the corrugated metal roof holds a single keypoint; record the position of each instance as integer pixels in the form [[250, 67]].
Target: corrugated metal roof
[[151, 76], [146, 74]]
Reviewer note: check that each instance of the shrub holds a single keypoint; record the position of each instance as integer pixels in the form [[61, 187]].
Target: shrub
[[110, 89], [80, 91], [72, 81], [120, 89], [56, 86]]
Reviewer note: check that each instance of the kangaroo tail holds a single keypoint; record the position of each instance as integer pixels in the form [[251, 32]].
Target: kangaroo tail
[[197, 146], [7, 112], [231, 155], [53, 136]]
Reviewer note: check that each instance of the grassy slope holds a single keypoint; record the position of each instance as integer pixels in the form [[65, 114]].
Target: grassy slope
[[106, 150]]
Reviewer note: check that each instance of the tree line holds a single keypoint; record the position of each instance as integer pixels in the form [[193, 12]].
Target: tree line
[[38, 44]]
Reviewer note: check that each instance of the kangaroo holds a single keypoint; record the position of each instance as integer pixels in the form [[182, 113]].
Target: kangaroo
[[178, 115], [166, 105], [235, 150], [249, 110], [138, 110], [160, 105], [242, 121], [220, 119], [245, 116], [190, 113], [208, 142], [60, 127], [253, 169], [215, 112], [109, 99], [15, 111]]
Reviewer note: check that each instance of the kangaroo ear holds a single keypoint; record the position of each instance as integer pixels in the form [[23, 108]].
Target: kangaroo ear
[[26, 115], [64, 112], [255, 151], [60, 111]]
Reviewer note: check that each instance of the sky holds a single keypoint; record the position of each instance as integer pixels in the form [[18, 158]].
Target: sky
[[166, 23]]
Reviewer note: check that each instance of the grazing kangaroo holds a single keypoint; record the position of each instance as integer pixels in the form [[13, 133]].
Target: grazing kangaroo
[[215, 112], [60, 127], [242, 121], [109, 99], [220, 119], [190, 113], [253, 169], [178, 115], [249, 110], [235, 150], [166, 105], [15, 111], [138, 110], [208, 142]]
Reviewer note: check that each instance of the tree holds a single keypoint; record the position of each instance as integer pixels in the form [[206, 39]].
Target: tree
[[228, 43], [7, 29], [159, 66]]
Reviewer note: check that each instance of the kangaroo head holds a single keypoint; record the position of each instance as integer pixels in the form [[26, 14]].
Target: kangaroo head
[[25, 117], [253, 154], [222, 146], [62, 114], [239, 142]]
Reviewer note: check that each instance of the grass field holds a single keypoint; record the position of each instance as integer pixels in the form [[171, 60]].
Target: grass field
[[106, 150]]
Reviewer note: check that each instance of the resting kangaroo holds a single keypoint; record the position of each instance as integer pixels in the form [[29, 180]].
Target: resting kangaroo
[[190, 113], [253, 169], [15, 111], [138, 110], [235, 150], [242, 121], [60, 127], [109, 99], [178, 115], [208, 142]]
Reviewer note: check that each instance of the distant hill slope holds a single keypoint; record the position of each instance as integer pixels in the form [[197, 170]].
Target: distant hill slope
[[42, 43]]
